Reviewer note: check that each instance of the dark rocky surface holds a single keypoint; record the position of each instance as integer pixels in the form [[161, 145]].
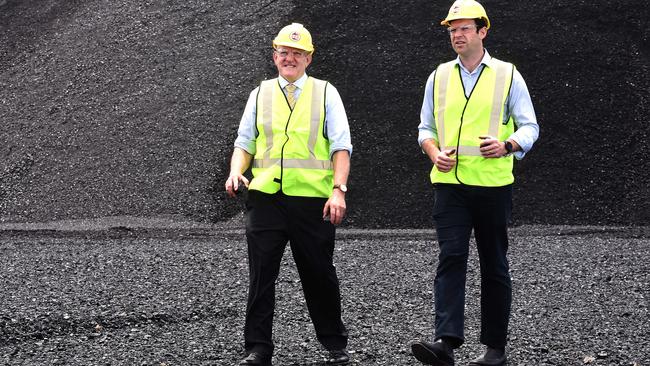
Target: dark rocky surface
[[118, 120], [150, 296], [130, 108], [124, 107]]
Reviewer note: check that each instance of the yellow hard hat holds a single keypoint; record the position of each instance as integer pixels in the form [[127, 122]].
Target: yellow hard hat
[[466, 9], [296, 36]]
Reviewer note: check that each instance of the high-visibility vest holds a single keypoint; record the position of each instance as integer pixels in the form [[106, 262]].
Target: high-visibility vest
[[292, 148], [460, 120]]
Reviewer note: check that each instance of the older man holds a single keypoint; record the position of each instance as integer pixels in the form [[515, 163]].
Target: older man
[[294, 134]]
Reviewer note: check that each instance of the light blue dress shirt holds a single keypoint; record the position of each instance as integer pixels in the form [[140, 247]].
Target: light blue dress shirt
[[518, 105], [336, 121]]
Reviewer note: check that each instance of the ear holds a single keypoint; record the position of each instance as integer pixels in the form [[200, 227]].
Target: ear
[[482, 33], [308, 59]]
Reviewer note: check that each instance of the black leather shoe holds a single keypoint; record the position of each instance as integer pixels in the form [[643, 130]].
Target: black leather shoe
[[256, 358], [439, 353], [491, 357], [338, 357]]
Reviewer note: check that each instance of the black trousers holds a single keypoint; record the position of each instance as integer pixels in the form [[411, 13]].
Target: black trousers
[[457, 210], [272, 221]]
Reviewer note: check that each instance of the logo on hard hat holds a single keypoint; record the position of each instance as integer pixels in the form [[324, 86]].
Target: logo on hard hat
[[455, 9], [294, 36]]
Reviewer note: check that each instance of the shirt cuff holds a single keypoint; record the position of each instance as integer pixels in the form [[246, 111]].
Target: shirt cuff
[[422, 136], [335, 148], [247, 146]]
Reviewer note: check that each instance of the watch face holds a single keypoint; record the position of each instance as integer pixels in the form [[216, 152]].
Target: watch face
[[343, 188], [508, 146]]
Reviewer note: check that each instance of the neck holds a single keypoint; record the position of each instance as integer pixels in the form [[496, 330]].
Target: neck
[[290, 79], [471, 62]]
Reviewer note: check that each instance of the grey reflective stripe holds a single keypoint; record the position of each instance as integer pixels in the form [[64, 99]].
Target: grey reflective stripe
[[466, 150], [443, 73], [318, 91], [267, 115], [501, 70], [294, 163], [265, 163]]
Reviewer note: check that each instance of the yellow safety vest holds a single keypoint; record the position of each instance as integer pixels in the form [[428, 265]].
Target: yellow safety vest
[[292, 148], [461, 120]]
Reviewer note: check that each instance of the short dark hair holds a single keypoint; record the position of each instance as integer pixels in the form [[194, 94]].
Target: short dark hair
[[480, 23]]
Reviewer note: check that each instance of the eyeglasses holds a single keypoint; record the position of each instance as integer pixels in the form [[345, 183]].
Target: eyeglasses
[[462, 30], [285, 53]]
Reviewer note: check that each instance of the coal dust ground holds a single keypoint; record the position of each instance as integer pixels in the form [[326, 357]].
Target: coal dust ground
[[102, 293]]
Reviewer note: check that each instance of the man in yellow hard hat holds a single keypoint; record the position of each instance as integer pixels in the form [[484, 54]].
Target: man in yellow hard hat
[[476, 115], [294, 135]]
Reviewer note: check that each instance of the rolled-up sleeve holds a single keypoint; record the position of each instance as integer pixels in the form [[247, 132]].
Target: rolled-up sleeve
[[336, 122], [523, 113], [427, 128], [246, 133]]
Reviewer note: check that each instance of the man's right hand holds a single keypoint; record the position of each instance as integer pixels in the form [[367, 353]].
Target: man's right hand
[[233, 184], [446, 160]]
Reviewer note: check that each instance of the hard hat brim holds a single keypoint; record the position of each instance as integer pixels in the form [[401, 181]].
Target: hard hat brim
[[292, 45], [445, 22]]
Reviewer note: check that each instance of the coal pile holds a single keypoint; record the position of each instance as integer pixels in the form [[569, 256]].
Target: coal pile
[[130, 108]]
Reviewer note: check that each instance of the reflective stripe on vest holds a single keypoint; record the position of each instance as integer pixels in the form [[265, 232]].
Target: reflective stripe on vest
[[292, 150], [293, 163], [460, 120]]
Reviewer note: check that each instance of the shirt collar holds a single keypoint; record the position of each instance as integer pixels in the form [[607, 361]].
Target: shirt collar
[[486, 60], [299, 83]]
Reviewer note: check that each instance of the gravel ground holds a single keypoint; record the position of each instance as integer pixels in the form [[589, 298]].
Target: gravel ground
[[142, 295]]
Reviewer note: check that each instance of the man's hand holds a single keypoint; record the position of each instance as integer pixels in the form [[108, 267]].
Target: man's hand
[[240, 161], [233, 184], [335, 207], [445, 160], [492, 148]]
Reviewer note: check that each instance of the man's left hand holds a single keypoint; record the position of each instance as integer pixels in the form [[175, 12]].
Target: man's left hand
[[492, 148], [335, 207]]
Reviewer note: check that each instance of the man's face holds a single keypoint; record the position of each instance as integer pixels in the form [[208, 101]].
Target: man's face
[[291, 62], [464, 38]]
